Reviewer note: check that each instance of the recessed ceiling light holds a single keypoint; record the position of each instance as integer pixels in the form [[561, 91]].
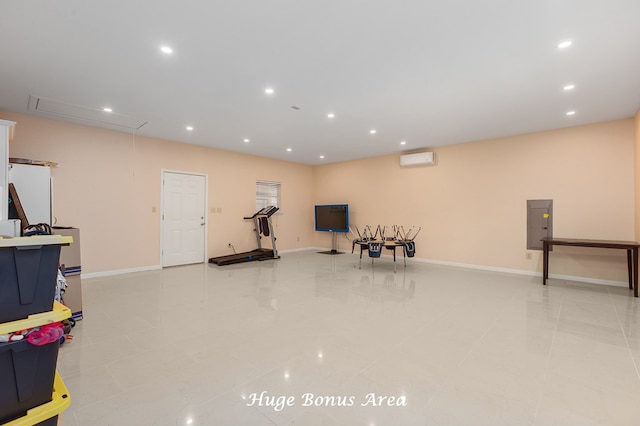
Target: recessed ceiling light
[[571, 113], [246, 140], [289, 150], [107, 109], [331, 115], [166, 49], [403, 143], [269, 91], [565, 44], [322, 157], [373, 131], [189, 128], [569, 87]]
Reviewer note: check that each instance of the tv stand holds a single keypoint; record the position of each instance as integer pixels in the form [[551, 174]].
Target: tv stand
[[334, 245]]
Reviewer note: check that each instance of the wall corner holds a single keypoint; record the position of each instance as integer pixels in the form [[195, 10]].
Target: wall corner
[[637, 175]]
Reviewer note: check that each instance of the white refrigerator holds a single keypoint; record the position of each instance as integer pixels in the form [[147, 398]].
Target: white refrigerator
[[33, 185]]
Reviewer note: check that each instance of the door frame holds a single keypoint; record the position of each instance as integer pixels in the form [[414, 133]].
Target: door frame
[[206, 204]]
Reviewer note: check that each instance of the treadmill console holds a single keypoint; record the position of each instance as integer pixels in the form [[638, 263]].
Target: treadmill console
[[267, 211]]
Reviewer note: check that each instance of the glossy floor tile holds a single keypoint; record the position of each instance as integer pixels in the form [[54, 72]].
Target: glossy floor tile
[[311, 339]]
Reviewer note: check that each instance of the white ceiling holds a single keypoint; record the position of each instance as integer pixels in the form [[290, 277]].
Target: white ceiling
[[427, 72]]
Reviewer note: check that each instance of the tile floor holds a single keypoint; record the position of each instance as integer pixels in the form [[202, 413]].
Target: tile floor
[[196, 345]]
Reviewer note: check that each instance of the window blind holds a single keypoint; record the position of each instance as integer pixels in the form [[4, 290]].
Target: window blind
[[267, 194]]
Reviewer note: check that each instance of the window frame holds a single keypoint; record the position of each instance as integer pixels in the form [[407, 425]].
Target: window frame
[[267, 192]]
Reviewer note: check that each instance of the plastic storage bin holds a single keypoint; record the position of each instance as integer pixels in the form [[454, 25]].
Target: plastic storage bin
[[28, 267], [27, 373], [28, 377], [59, 313], [46, 414]]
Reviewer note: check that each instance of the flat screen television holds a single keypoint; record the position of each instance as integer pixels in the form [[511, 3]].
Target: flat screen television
[[332, 217]]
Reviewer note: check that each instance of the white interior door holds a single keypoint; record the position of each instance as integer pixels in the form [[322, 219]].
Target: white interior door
[[183, 218]]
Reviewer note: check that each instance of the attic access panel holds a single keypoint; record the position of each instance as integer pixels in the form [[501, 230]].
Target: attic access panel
[[83, 113], [539, 222]]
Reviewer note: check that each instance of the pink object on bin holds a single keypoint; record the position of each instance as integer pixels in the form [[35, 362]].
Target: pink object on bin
[[48, 333]]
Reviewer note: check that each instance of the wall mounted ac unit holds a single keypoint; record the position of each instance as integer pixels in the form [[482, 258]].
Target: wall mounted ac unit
[[419, 159]]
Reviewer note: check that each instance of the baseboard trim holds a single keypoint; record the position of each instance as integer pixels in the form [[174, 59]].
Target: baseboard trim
[[414, 259], [512, 271], [120, 271], [524, 272], [295, 250]]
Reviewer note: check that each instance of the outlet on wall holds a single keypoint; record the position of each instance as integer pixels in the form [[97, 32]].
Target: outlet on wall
[[528, 255]]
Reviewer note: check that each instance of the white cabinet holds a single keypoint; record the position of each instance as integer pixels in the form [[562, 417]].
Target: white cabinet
[[5, 129]]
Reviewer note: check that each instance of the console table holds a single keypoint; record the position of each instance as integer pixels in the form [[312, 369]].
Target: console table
[[630, 246]]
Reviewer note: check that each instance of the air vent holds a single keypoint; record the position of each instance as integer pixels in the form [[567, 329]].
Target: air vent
[[83, 113], [419, 159]]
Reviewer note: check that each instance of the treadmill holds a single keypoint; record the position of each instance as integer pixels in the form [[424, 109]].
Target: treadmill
[[262, 227]]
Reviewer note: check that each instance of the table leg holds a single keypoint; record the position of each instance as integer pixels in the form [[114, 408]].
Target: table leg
[[545, 262], [394, 258], [630, 268], [404, 255], [635, 271]]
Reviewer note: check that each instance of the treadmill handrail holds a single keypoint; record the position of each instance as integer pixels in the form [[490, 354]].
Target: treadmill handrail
[[266, 211]]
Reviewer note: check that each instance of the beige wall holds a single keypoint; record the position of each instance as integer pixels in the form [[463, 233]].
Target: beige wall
[[472, 204], [637, 175], [108, 182]]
